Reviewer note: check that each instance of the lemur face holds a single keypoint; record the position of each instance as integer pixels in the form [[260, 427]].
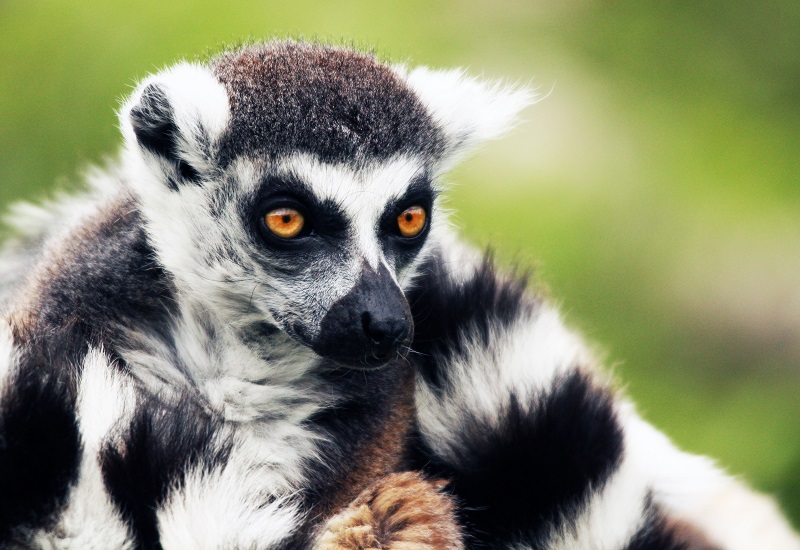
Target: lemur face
[[338, 242], [331, 246], [294, 186]]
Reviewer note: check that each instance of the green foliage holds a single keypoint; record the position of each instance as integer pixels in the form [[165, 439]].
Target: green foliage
[[655, 186]]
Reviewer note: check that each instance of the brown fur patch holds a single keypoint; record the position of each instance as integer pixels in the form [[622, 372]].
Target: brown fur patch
[[400, 512], [688, 536]]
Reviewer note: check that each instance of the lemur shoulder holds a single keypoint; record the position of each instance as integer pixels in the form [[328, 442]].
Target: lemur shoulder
[[258, 330]]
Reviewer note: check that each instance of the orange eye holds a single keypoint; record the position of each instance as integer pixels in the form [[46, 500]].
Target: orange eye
[[286, 223], [411, 221]]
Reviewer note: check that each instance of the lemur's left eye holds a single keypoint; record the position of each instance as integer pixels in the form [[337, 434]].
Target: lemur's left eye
[[286, 223], [411, 221]]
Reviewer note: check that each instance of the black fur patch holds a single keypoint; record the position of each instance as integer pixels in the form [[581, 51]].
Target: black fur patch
[[533, 470], [163, 442], [443, 310], [154, 122], [39, 447], [154, 125], [107, 278], [340, 105]]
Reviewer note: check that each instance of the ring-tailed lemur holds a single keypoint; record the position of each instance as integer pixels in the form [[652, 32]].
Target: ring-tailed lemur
[[257, 330]]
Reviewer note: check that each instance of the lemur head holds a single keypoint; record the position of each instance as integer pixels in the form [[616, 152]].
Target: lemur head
[[296, 185]]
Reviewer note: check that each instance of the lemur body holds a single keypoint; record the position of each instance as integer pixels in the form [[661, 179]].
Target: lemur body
[[247, 330]]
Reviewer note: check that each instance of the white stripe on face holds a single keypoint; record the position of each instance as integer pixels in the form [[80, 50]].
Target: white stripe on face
[[363, 193]]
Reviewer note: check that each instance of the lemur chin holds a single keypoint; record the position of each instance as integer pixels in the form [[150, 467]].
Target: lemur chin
[[257, 329]]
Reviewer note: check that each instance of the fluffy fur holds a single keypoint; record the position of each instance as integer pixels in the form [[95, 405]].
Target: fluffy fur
[[172, 375]]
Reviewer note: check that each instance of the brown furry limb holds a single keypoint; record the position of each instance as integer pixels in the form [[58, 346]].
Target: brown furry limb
[[399, 512]]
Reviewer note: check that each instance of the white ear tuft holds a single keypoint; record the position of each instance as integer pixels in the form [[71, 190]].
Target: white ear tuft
[[469, 111], [175, 115], [194, 95]]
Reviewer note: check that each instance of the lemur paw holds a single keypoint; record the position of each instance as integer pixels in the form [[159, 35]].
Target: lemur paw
[[399, 512]]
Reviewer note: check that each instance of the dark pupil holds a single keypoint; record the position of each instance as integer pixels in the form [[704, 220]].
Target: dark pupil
[[286, 218], [409, 217]]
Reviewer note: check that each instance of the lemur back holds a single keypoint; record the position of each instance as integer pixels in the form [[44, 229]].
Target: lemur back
[[258, 330]]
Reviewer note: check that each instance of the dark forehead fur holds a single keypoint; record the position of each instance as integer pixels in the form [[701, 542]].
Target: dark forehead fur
[[338, 104]]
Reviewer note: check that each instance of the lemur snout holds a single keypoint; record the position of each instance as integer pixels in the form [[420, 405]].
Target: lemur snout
[[385, 333], [369, 326]]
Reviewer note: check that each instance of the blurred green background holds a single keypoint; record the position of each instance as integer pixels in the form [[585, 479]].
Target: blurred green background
[[654, 186]]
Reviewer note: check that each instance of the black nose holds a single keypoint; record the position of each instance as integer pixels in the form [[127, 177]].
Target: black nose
[[384, 333], [368, 326]]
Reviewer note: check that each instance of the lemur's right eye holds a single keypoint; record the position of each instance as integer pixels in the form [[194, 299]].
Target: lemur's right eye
[[286, 223]]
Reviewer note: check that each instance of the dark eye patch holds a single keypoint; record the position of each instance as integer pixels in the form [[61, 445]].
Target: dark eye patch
[[401, 249], [420, 192], [322, 218]]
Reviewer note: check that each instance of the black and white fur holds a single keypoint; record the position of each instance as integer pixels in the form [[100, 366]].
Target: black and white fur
[[169, 379]]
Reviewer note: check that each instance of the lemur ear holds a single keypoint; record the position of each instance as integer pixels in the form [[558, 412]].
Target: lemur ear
[[174, 117], [153, 122], [469, 111]]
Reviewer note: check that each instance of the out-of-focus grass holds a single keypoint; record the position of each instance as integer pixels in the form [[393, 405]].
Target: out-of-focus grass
[[656, 186]]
